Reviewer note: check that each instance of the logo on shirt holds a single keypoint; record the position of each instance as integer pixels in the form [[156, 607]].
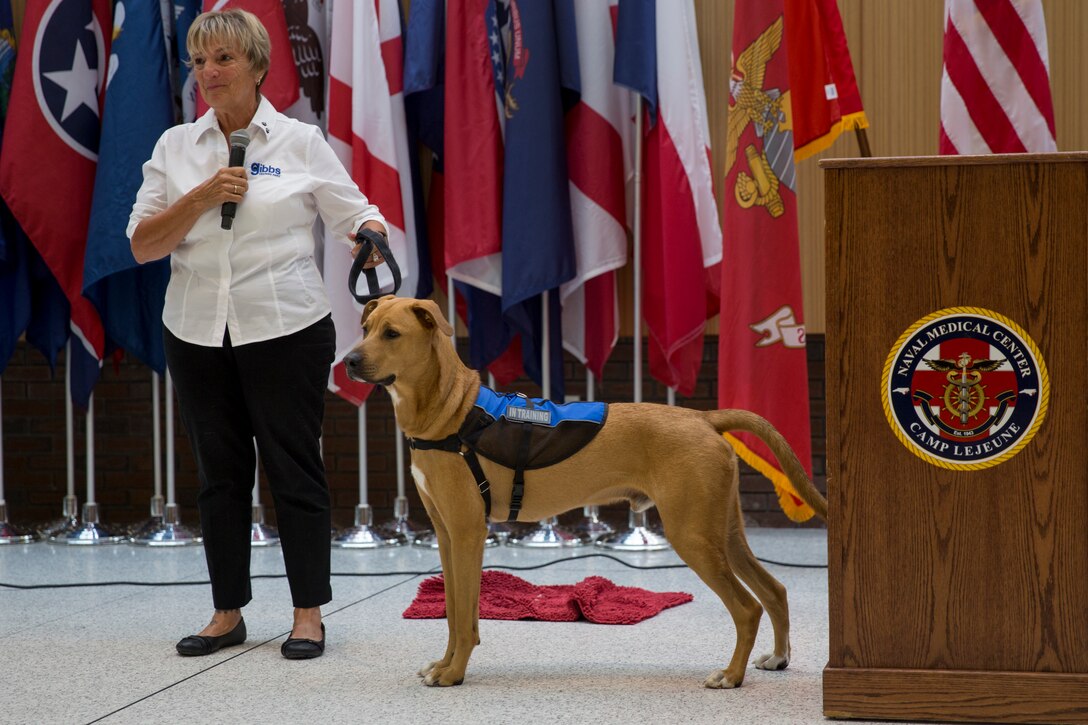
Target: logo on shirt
[[965, 388], [259, 169]]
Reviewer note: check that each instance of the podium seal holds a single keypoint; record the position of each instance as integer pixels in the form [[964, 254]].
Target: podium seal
[[965, 388]]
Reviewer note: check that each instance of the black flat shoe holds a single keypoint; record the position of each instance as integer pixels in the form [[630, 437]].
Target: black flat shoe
[[196, 645], [303, 649]]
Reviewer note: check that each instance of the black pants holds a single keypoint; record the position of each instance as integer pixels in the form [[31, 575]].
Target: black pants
[[273, 391]]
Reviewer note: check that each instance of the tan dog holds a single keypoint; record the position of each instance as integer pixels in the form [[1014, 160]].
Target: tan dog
[[646, 454]]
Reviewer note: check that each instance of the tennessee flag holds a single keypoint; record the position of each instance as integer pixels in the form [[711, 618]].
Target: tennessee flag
[[47, 166], [280, 87], [367, 130]]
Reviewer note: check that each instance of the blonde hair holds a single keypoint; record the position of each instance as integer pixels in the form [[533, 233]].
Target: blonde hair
[[237, 28]]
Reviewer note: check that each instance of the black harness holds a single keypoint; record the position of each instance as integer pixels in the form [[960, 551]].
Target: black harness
[[519, 433]]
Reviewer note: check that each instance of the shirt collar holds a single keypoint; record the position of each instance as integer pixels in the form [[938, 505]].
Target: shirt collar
[[263, 119]]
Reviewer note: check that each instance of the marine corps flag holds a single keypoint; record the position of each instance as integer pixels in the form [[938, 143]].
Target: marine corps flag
[[762, 364]]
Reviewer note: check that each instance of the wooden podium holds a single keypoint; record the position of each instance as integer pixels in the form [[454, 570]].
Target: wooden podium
[[958, 590]]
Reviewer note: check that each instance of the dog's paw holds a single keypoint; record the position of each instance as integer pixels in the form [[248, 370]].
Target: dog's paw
[[721, 680], [771, 662], [442, 677]]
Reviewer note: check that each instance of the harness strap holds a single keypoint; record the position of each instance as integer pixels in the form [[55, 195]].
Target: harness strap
[[452, 444], [519, 472]]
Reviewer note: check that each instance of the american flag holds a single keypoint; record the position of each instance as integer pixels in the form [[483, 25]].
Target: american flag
[[995, 90]]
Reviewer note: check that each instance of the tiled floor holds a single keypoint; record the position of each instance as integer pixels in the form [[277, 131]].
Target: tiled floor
[[106, 653]]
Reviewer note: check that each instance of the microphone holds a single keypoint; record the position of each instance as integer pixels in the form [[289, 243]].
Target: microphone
[[238, 142]]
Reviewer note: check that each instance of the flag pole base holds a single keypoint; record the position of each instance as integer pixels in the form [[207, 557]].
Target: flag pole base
[[68, 521], [638, 536], [260, 533], [591, 525], [10, 534], [548, 534], [90, 533], [429, 540], [363, 535], [166, 531], [401, 525]]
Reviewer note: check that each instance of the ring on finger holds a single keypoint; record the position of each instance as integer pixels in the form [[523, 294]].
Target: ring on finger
[[236, 188]]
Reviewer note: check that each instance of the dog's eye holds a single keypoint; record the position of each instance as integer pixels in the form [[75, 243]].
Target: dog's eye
[[390, 334]]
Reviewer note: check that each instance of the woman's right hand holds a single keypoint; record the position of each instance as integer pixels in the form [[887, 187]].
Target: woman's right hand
[[227, 184]]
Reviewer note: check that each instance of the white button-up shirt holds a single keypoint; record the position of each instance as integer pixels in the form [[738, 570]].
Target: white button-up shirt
[[258, 279]]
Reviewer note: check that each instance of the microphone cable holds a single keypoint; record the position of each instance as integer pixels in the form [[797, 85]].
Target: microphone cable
[[435, 570]]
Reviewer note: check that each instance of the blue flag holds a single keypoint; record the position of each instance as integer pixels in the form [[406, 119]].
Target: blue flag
[[138, 108], [636, 51], [541, 82]]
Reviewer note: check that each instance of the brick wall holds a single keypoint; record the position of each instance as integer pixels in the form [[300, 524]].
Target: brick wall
[[35, 461]]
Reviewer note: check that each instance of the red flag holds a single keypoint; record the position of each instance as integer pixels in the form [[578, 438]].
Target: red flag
[[281, 85], [823, 91], [995, 90], [762, 365], [473, 152], [682, 239], [50, 152], [367, 132]]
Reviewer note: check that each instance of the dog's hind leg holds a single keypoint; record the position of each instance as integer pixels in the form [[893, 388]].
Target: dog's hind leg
[[769, 591], [700, 541]]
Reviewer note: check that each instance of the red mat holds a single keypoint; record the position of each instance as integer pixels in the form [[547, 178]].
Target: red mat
[[505, 596]]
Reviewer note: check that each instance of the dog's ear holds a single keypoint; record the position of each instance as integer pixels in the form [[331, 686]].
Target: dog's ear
[[371, 306], [431, 317]]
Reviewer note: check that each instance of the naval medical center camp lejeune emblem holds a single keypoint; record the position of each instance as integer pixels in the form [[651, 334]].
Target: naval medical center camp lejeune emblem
[[965, 388]]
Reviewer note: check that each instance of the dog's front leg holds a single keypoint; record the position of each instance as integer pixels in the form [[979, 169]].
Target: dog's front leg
[[443, 537], [462, 569]]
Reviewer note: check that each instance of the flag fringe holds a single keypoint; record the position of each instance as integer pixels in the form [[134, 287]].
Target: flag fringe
[[792, 505], [846, 123]]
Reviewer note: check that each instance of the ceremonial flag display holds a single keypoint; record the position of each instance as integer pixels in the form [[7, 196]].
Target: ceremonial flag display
[[995, 89], [367, 131], [138, 109], [598, 162], [280, 86], [657, 55], [47, 165]]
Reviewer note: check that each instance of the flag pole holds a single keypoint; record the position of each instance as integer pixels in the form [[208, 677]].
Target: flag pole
[[9, 534], [548, 533], [69, 519], [863, 143], [590, 524], [92, 532], [637, 536], [260, 533], [166, 529], [363, 535]]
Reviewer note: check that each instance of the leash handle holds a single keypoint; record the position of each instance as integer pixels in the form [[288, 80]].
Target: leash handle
[[371, 240]]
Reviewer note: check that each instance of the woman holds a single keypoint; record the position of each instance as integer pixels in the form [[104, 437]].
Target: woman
[[248, 332]]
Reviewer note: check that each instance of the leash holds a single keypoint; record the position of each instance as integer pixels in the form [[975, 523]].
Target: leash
[[371, 240]]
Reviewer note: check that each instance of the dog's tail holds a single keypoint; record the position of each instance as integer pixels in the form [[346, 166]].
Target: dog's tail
[[729, 420]]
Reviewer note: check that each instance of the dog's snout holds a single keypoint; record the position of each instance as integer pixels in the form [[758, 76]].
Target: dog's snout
[[353, 361]]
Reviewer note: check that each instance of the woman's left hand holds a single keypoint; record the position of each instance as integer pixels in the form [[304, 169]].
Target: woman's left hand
[[376, 257]]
